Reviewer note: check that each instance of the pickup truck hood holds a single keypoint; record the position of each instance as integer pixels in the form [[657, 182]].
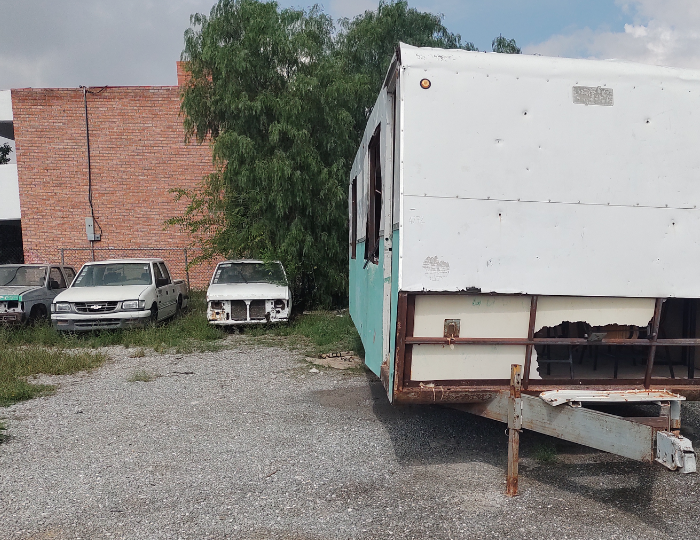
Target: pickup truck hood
[[101, 294], [13, 293], [247, 291]]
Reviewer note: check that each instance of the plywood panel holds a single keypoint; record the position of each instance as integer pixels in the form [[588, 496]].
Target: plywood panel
[[480, 316], [553, 310], [438, 362]]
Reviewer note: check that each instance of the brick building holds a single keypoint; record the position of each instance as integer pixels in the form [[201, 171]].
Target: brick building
[[137, 153]]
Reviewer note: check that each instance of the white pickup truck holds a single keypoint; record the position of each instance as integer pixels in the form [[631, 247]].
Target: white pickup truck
[[119, 294]]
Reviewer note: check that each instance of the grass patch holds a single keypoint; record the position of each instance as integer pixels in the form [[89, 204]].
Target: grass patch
[[188, 333], [318, 332], [141, 375], [19, 363], [545, 453]]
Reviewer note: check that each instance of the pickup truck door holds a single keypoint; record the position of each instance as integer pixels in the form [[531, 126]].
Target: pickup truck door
[[69, 272], [57, 283], [165, 291]]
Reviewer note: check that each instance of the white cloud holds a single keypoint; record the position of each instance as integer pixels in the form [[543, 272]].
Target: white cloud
[[661, 32]]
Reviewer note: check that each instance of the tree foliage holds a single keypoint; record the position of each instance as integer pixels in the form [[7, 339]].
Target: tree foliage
[[281, 96], [366, 45], [504, 45], [5, 151]]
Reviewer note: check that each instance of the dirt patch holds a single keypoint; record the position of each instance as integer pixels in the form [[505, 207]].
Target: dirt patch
[[339, 360]]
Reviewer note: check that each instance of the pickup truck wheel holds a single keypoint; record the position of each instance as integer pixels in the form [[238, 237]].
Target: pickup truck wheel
[[154, 313], [38, 314], [178, 308]]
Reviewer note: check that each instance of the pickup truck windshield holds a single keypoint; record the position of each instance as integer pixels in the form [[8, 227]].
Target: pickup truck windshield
[[249, 273], [101, 275], [22, 276]]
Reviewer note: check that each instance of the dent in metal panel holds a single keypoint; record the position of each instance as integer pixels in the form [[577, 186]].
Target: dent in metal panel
[[593, 95], [437, 362], [597, 311], [480, 316]]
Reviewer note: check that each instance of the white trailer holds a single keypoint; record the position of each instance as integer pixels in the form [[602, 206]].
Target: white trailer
[[523, 210]]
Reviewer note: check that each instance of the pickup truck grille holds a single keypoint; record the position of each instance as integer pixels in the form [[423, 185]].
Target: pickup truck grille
[[239, 312], [97, 323], [95, 307], [257, 309]]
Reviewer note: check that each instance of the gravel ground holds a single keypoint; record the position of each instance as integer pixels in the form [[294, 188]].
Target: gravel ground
[[249, 443]]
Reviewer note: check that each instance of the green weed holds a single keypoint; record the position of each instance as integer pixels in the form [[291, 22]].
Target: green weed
[[317, 332], [141, 375], [545, 453], [19, 363], [188, 333]]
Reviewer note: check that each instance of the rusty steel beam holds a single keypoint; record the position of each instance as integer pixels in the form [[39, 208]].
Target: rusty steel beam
[[408, 354], [400, 343], [514, 426], [454, 394], [656, 321], [678, 342], [530, 337]]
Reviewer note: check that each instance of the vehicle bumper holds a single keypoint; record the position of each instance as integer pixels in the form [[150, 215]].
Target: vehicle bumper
[[11, 318], [223, 314], [242, 323], [78, 322]]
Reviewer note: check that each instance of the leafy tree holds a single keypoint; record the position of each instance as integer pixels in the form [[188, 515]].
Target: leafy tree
[[504, 45], [272, 99], [5, 151], [281, 96], [367, 43]]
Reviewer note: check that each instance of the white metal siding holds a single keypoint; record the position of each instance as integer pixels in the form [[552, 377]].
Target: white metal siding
[[509, 186]]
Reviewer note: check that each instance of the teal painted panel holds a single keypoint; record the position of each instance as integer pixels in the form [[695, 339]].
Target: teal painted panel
[[366, 304], [10, 297], [394, 301]]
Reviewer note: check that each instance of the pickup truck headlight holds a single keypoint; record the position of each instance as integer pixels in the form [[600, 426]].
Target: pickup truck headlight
[[133, 304], [61, 307]]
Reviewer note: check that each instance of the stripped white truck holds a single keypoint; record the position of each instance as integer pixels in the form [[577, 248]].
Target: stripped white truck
[[514, 210], [247, 291], [119, 294]]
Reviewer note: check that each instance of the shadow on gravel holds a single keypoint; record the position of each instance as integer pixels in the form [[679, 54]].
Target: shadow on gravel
[[425, 435]]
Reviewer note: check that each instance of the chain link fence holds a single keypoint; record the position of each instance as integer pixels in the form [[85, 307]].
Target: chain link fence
[[177, 259]]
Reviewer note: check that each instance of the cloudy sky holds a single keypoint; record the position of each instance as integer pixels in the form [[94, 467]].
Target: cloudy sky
[[67, 43]]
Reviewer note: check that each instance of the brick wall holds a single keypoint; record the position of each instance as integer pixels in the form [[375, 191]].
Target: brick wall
[[137, 152]]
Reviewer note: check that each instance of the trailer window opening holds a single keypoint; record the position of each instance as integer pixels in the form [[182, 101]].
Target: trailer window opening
[[374, 211], [625, 362], [353, 225]]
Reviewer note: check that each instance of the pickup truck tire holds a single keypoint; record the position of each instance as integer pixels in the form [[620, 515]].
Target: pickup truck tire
[[154, 313], [38, 314]]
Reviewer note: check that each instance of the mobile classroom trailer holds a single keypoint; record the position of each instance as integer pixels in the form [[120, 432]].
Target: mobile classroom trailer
[[514, 209]]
